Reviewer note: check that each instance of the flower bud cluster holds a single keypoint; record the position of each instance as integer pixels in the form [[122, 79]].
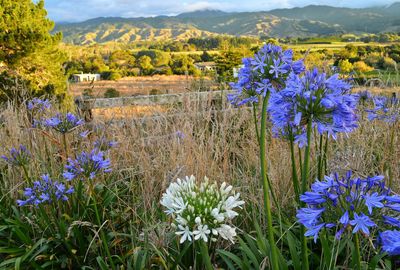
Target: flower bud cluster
[[202, 212]]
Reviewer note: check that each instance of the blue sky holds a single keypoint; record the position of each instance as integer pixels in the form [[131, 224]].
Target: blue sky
[[79, 10]]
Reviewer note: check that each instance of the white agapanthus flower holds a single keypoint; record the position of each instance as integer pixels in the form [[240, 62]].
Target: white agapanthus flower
[[202, 212]]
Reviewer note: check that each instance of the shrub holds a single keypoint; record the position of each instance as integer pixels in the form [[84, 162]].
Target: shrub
[[362, 67], [111, 93], [345, 66]]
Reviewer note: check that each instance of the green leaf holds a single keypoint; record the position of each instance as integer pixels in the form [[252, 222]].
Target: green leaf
[[375, 260], [294, 255], [231, 256], [102, 264], [248, 253]]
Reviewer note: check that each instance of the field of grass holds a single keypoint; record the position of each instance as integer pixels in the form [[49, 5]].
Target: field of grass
[[144, 85], [294, 169], [335, 46], [189, 139]]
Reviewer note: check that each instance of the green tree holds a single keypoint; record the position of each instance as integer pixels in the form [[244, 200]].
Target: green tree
[[183, 64], [144, 63], [158, 58], [226, 62], [28, 50]]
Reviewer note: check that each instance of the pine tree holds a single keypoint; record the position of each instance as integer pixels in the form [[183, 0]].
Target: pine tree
[[28, 50]]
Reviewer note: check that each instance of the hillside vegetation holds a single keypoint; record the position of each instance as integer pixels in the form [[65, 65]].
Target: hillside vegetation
[[297, 22]]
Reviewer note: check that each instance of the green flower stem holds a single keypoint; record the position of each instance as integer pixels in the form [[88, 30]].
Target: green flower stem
[[65, 145], [357, 258], [256, 122], [26, 174], [391, 148], [325, 156], [267, 205], [275, 201], [306, 164], [205, 255], [295, 178], [102, 235], [304, 183], [320, 157]]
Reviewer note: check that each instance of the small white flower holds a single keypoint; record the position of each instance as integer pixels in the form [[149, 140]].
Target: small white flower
[[227, 232], [233, 201], [230, 203], [197, 220], [179, 205], [185, 233], [181, 220], [217, 215], [201, 233], [224, 190]]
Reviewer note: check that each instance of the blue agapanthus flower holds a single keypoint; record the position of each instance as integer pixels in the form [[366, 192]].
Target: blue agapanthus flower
[[18, 157], [265, 72], [326, 102], [64, 123], [45, 190], [390, 242], [386, 109], [348, 204], [103, 144], [37, 104], [364, 96], [87, 165]]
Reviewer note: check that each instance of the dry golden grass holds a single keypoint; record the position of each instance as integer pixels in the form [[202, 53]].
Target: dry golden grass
[[142, 85], [219, 144]]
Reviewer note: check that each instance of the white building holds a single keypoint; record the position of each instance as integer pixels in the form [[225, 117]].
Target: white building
[[206, 66], [88, 77]]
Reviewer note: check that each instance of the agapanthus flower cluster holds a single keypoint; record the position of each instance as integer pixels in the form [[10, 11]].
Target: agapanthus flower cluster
[[347, 204], [265, 72], [39, 105], [45, 190], [386, 109], [390, 242], [202, 212], [87, 165], [364, 96], [64, 123], [18, 157], [326, 102], [104, 144]]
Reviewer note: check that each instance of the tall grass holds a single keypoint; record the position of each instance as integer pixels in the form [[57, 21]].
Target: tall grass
[[149, 155]]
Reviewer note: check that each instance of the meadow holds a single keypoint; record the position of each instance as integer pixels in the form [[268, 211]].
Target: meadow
[[100, 194]]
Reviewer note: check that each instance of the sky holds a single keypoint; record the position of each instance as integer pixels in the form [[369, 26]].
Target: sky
[[80, 10]]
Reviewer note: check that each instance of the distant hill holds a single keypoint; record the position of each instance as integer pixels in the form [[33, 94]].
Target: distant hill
[[307, 21]]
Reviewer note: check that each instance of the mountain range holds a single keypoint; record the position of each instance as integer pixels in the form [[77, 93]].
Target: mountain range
[[309, 21]]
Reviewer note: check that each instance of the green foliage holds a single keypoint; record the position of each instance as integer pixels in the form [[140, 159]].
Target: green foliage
[[25, 29], [87, 92], [183, 64], [158, 58], [345, 66], [226, 61], [361, 66], [387, 63], [111, 93], [27, 48], [144, 63]]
